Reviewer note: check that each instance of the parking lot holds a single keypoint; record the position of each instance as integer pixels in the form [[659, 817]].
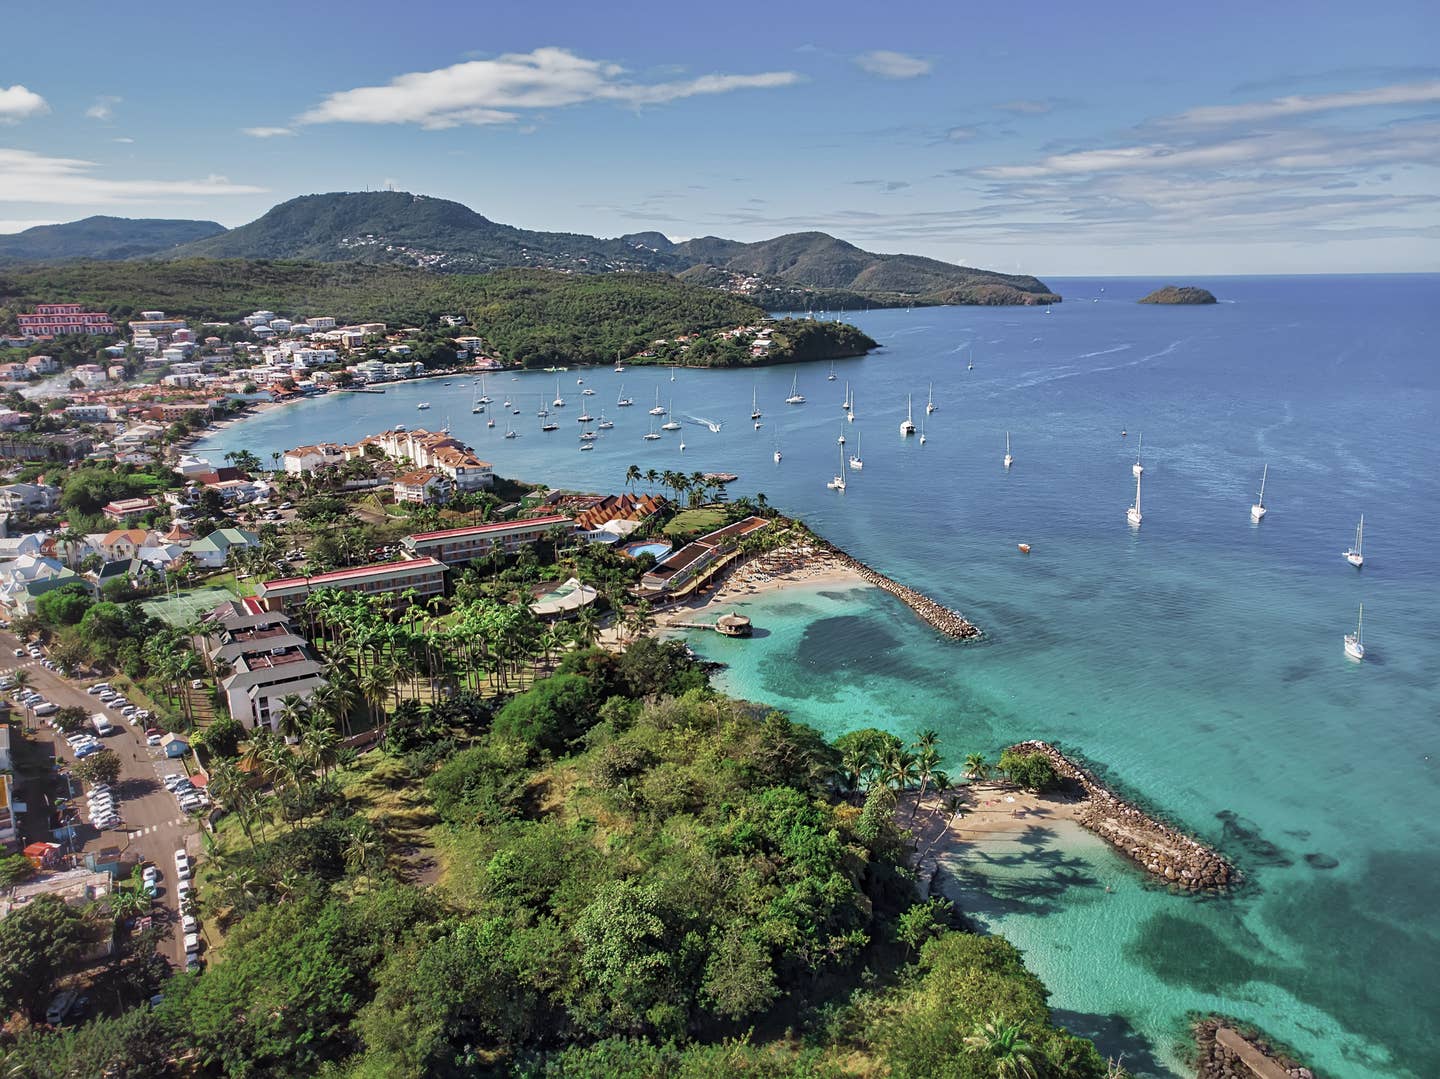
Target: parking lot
[[150, 826]]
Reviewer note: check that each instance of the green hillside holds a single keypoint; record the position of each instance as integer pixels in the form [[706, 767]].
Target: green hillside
[[102, 238]]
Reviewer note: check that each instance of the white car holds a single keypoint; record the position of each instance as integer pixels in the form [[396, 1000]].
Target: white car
[[45, 708], [153, 739], [189, 923], [192, 943], [197, 683], [150, 873], [182, 862], [19, 652]]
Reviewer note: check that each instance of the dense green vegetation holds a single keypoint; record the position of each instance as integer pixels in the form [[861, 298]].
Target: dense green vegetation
[[102, 238], [1182, 294]]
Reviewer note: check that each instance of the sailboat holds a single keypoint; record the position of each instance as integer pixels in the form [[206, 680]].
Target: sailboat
[[1133, 513], [1257, 511], [1355, 642], [587, 392], [559, 401], [845, 404], [930, 400], [838, 483], [831, 376], [509, 431], [423, 405], [922, 430], [907, 428], [1355, 555], [796, 397], [604, 424], [622, 401], [682, 443], [584, 416], [1009, 459], [476, 408], [549, 425], [484, 396], [754, 403], [777, 449], [652, 434], [658, 410], [1137, 467], [856, 461], [672, 424], [490, 422], [972, 363], [841, 439]]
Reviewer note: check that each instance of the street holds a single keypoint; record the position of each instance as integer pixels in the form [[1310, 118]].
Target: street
[[152, 826]]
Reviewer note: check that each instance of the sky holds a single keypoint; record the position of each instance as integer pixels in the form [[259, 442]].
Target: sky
[[1045, 138]]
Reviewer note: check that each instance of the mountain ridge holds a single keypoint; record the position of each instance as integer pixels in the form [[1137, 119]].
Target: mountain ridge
[[103, 238]]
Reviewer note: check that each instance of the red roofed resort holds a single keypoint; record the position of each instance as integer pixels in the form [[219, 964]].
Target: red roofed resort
[[425, 575], [457, 546]]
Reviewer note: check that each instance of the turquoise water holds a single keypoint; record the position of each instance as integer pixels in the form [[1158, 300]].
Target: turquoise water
[[655, 550], [1197, 662]]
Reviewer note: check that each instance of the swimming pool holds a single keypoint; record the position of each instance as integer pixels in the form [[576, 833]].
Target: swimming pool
[[657, 549]]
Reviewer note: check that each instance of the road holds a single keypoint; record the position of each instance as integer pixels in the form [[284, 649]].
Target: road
[[153, 826]]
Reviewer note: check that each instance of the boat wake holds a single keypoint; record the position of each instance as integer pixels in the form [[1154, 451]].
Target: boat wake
[[701, 421]]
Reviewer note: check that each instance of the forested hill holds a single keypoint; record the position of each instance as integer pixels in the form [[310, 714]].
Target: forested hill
[[398, 228], [530, 316], [102, 238]]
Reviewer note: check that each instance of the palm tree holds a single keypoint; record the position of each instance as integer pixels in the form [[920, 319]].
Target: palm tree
[[976, 766], [926, 739], [1005, 1044], [632, 475], [900, 769], [291, 718]]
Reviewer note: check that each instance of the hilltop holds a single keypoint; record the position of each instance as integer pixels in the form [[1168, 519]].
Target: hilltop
[[794, 271], [102, 238], [1179, 294]]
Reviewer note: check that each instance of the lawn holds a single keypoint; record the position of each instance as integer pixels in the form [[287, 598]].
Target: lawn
[[188, 606], [689, 523]]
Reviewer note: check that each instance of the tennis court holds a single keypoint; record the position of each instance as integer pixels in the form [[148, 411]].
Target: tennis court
[[188, 606]]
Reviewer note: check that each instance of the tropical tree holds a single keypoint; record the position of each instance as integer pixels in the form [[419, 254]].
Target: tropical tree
[[976, 766], [1004, 1043]]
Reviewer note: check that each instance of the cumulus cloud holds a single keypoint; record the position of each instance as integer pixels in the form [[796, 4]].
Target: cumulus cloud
[[103, 108], [26, 176], [1426, 92], [892, 65], [498, 91], [268, 132], [18, 103]]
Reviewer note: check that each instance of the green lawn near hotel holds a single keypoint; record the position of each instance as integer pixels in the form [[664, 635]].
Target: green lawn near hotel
[[690, 523]]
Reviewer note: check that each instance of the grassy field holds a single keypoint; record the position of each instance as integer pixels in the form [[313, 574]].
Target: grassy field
[[689, 523], [188, 606]]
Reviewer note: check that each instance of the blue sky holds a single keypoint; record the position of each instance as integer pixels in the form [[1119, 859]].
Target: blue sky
[[1046, 138]]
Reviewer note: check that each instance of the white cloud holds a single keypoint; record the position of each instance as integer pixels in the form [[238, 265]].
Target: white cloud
[[26, 176], [1027, 107], [104, 107], [17, 103], [492, 91], [1414, 93], [123, 138], [267, 132], [892, 65]]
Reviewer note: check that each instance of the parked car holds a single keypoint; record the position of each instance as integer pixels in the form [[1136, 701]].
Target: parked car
[[182, 864], [197, 683], [189, 923], [45, 708], [192, 943], [172, 780], [18, 652], [152, 739]]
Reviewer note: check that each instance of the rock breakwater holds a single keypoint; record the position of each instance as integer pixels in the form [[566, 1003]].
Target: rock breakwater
[[1229, 1051], [1161, 850], [941, 618]]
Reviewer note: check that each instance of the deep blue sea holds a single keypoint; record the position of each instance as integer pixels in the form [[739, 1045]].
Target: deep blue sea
[[1197, 661]]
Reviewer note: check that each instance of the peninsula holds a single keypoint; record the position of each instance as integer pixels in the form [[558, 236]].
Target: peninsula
[[1179, 294]]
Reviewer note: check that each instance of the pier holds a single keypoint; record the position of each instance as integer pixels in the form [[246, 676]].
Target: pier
[[1161, 850]]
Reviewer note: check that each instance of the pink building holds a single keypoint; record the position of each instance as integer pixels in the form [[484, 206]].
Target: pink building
[[51, 319]]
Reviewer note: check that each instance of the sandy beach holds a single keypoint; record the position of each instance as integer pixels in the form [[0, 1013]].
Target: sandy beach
[[784, 567]]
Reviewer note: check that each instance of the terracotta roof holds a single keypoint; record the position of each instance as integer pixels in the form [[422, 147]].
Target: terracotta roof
[[495, 526], [356, 572], [418, 478]]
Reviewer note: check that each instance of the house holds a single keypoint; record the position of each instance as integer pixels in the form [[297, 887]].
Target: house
[[304, 459], [423, 487], [426, 576], [15, 372], [126, 509], [267, 659], [91, 374], [684, 565], [457, 546], [437, 450], [43, 365], [214, 551], [28, 577], [13, 547], [88, 413], [123, 543], [66, 448], [29, 497], [11, 420]]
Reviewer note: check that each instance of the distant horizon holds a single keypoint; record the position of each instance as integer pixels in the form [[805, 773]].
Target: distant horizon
[[1078, 139]]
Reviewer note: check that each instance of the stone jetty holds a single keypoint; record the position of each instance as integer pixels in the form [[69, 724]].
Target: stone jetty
[[1164, 852], [1226, 1053], [947, 621]]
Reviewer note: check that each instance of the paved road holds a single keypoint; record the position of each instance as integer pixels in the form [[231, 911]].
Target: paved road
[[152, 824]]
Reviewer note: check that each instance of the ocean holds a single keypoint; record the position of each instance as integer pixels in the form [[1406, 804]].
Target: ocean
[[1196, 663]]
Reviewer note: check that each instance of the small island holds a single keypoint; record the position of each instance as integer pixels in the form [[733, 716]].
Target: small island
[[1180, 294]]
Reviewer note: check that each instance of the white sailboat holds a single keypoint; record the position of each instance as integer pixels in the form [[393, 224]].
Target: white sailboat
[[841, 439], [682, 443], [856, 461], [1257, 511], [1009, 459], [559, 401], [622, 401], [922, 430], [754, 403], [509, 431], [1137, 467], [490, 422], [672, 424], [652, 434], [423, 406], [659, 409], [476, 408], [846, 404], [796, 397], [604, 424], [484, 395], [930, 400], [907, 427], [1355, 642], [972, 362], [1355, 555], [777, 449], [1133, 513], [831, 376], [838, 483]]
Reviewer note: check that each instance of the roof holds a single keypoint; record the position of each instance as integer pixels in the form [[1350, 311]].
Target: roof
[[356, 573], [419, 478], [499, 527], [136, 536]]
